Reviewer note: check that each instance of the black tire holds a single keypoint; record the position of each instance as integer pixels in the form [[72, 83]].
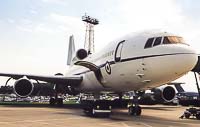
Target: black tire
[[135, 110], [198, 116], [88, 112], [187, 115], [131, 110], [52, 101], [138, 110], [59, 102]]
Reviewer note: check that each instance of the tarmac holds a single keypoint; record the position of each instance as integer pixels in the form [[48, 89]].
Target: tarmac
[[73, 116]]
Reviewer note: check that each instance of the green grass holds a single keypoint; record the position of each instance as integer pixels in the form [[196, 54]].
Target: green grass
[[70, 102]]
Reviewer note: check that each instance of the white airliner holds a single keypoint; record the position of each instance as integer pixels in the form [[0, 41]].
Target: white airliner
[[135, 62]]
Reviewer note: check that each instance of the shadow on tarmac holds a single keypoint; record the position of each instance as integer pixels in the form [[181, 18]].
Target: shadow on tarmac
[[69, 106]]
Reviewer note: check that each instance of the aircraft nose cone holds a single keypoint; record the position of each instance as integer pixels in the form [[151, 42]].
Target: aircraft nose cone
[[197, 66], [188, 59]]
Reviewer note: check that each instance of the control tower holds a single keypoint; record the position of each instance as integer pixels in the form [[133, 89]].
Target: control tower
[[89, 34]]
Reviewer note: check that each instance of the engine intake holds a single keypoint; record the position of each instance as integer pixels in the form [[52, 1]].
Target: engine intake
[[81, 54], [166, 94], [23, 87]]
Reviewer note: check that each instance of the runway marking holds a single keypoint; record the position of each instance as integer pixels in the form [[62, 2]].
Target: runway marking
[[125, 125], [172, 122], [114, 124], [146, 125], [43, 121]]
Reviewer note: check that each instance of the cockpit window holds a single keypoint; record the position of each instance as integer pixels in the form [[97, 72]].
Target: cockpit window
[[157, 41], [166, 40], [175, 39], [149, 43]]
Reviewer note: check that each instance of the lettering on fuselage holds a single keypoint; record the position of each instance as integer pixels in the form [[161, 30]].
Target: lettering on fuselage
[[105, 55]]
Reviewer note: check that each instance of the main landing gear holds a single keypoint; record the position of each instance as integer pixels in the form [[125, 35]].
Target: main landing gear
[[93, 106], [56, 101], [133, 107], [97, 108], [102, 108], [134, 110]]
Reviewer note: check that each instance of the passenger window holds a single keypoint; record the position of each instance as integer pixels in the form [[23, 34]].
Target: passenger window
[[166, 40], [149, 43], [157, 41]]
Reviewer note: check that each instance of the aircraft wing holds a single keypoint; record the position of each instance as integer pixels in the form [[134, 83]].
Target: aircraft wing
[[75, 80]]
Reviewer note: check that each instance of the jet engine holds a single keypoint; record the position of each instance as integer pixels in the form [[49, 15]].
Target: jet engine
[[23, 87], [165, 94], [81, 54]]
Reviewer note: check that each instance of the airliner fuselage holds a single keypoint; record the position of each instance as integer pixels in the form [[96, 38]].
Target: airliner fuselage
[[137, 61]]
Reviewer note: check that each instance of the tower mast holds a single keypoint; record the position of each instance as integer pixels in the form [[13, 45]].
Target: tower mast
[[89, 34]]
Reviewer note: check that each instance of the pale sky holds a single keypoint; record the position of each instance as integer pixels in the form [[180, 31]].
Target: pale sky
[[34, 33]]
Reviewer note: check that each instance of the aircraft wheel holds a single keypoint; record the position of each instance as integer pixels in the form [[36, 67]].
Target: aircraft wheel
[[198, 116], [88, 112], [131, 110], [138, 110], [52, 101], [60, 102], [135, 110], [187, 115]]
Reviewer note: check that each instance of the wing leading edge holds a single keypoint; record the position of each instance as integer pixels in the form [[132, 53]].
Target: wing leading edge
[[71, 81]]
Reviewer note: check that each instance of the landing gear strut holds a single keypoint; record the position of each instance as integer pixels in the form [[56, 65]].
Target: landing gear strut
[[133, 107], [56, 101], [135, 110]]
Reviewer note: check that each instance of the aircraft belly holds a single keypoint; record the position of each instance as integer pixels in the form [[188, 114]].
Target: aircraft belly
[[161, 70], [121, 78], [90, 83]]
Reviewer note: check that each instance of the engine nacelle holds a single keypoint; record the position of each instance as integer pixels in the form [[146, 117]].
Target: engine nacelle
[[166, 94], [23, 87], [81, 54]]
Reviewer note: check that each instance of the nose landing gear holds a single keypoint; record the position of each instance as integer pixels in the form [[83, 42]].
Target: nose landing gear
[[133, 107], [134, 110]]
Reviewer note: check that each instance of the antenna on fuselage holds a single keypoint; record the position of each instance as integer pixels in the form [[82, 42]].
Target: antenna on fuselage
[[89, 34]]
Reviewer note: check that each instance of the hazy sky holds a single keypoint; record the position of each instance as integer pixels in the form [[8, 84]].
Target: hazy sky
[[34, 33]]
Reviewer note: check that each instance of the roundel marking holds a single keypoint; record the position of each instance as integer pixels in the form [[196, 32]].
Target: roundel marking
[[108, 68]]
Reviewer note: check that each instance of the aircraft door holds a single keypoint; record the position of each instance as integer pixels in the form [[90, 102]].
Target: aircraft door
[[118, 51]]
